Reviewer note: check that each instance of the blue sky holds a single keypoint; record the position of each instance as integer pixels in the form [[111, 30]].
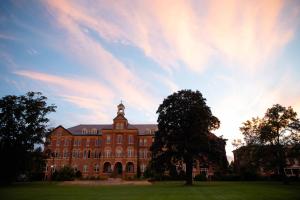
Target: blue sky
[[87, 56]]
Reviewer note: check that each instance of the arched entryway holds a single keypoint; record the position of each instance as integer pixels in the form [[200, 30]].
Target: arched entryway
[[107, 167], [130, 167], [118, 168]]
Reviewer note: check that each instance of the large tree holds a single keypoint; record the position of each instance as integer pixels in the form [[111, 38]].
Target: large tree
[[184, 125], [277, 132], [23, 124]]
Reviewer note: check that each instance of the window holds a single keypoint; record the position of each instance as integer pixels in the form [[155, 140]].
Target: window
[[130, 152], [119, 125], [65, 153], [87, 142], [96, 168], [143, 168], [77, 153], [130, 139], [94, 131], [130, 167], [119, 152], [97, 142], [56, 153], [84, 131], [141, 142], [76, 142], [85, 152], [148, 131], [57, 142], [97, 154], [108, 139], [145, 141], [66, 142], [143, 153], [107, 153], [85, 168], [119, 139]]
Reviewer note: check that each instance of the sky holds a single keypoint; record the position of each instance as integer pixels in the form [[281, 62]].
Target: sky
[[87, 56]]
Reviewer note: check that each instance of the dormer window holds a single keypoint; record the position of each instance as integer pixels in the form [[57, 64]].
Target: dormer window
[[94, 131], [84, 131]]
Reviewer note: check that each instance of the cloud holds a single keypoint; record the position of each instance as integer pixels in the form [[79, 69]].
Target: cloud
[[246, 33], [87, 94], [8, 37], [90, 52]]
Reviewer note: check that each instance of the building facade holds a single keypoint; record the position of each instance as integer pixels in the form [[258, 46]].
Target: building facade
[[119, 149], [105, 150]]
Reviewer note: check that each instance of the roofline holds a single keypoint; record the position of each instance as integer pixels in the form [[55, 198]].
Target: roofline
[[59, 126]]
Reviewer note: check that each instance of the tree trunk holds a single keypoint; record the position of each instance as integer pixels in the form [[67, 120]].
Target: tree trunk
[[189, 171]]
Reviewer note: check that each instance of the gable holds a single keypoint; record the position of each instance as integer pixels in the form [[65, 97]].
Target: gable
[[59, 131]]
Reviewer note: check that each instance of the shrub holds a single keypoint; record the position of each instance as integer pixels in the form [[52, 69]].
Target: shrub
[[78, 174], [64, 174], [200, 177]]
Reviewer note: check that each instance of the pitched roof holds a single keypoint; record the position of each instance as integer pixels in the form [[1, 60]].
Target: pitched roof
[[143, 129]]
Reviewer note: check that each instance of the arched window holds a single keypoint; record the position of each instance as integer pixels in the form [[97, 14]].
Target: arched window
[[107, 167], [84, 131], [94, 131]]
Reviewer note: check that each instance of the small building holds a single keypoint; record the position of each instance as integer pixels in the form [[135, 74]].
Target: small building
[[245, 160]]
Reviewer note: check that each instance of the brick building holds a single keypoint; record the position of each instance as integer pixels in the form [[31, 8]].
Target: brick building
[[119, 149], [245, 160], [116, 149]]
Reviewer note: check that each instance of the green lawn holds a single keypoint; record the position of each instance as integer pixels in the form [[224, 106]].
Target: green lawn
[[161, 190]]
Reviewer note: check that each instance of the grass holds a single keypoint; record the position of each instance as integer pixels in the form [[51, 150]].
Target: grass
[[157, 191]]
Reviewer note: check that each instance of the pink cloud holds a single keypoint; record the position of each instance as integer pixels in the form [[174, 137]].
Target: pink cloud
[[248, 33], [90, 53], [87, 94]]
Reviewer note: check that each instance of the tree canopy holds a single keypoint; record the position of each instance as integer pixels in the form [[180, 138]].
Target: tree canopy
[[184, 124], [23, 124], [279, 126]]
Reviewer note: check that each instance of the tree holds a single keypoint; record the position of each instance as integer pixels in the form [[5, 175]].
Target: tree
[[277, 131], [23, 124], [184, 125]]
